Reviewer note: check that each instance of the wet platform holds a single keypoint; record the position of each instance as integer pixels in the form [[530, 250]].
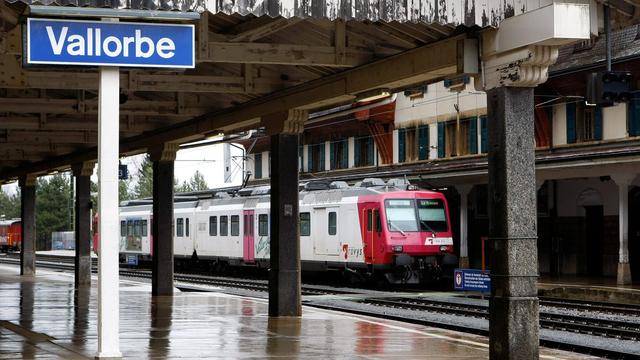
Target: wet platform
[[603, 289], [44, 317]]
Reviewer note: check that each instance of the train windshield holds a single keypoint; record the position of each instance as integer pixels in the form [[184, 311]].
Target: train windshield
[[401, 215], [416, 215], [432, 215]]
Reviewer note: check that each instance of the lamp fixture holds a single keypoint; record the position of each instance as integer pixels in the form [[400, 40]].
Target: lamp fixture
[[372, 95]]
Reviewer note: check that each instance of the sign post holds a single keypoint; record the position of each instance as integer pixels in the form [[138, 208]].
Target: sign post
[[109, 44]]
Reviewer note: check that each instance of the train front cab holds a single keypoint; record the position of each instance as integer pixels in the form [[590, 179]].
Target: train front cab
[[407, 236]]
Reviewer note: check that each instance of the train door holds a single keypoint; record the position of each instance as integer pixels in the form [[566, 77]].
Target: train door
[[248, 236], [325, 231], [371, 230]]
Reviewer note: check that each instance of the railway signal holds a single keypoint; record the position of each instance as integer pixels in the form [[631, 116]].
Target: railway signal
[[606, 88]]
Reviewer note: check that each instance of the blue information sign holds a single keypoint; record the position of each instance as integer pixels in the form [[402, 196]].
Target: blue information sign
[[471, 280], [100, 43]]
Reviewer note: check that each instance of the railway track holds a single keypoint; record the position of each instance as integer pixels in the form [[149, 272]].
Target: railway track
[[67, 264], [578, 324]]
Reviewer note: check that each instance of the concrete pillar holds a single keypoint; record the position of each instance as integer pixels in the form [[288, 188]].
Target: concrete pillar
[[162, 257], [83, 172], [513, 317], [464, 190], [28, 217], [623, 180], [284, 272]]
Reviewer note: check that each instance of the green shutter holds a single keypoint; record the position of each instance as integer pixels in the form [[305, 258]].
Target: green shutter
[[345, 153], [322, 156], [332, 155], [401, 145], [633, 114], [257, 160], [310, 158], [571, 123], [473, 136], [300, 158], [370, 153], [356, 152], [484, 135], [423, 142], [597, 123], [441, 143]]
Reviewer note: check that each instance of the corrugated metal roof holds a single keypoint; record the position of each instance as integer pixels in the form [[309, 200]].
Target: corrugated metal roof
[[449, 12]]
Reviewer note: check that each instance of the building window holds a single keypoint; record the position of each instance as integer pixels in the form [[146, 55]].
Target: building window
[[451, 143], [144, 227], [213, 225], [224, 225], [364, 154], [413, 143], [235, 225], [257, 160], [316, 157], [332, 223], [180, 227], [339, 151], [305, 224], [123, 228], [584, 123], [263, 225]]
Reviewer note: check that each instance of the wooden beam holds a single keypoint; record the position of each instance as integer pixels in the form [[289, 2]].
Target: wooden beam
[[340, 41], [283, 54], [20, 137], [260, 27], [428, 63], [128, 124]]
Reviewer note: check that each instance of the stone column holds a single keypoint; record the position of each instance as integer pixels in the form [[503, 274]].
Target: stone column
[[464, 190], [162, 222], [623, 180], [513, 307], [284, 272], [28, 217], [83, 172]]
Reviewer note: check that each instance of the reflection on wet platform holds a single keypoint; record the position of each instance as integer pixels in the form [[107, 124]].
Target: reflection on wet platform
[[46, 317]]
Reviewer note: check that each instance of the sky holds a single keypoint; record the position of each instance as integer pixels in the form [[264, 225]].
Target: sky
[[206, 159]]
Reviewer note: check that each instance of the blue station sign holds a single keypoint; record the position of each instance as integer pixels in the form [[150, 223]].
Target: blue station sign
[[101, 43], [471, 280]]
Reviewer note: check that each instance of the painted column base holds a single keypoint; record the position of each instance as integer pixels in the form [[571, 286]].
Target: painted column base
[[463, 262], [624, 274]]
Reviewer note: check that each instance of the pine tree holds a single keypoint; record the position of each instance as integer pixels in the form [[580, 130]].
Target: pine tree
[[197, 182], [52, 206], [10, 204], [144, 185]]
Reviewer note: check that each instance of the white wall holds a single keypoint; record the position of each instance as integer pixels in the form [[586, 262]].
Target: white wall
[[396, 153], [614, 122], [352, 151], [559, 124], [433, 141], [265, 164], [305, 158], [327, 155]]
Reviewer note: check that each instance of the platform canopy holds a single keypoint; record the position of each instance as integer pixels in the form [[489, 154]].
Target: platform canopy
[[254, 59]]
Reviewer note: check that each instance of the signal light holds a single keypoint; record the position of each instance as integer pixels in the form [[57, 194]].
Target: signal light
[[608, 87]]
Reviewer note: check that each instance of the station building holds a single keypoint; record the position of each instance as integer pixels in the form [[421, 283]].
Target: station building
[[436, 136]]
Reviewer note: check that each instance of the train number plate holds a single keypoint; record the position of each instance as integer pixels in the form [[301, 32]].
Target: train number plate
[[438, 241]]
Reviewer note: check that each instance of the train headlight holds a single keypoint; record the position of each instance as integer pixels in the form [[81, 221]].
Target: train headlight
[[443, 248], [398, 248]]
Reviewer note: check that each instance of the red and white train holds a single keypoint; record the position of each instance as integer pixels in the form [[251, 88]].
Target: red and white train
[[10, 235], [374, 228]]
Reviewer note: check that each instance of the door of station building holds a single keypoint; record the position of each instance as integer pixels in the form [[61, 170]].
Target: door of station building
[[594, 218], [371, 230], [248, 238]]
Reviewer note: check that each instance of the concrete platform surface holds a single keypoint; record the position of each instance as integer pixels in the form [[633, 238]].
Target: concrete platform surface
[[44, 317], [602, 289]]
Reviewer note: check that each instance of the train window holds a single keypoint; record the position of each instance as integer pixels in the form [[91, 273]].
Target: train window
[[246, 227], [129, 228], [263, 225], [401, 215], [378, 222], [123, 228], [144, 227], [305, 224], [213, 225], [432, 215], [235, 225], [186, 227], [251, 225], [136, 228], [369, 222], [180, 227], [224, 225], [333, 223]]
